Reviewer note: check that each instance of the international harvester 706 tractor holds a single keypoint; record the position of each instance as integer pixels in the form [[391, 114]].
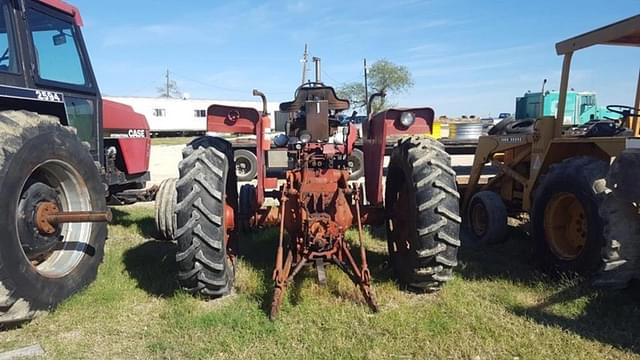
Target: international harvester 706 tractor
[[316, 203], [578, 185], [63, 152]]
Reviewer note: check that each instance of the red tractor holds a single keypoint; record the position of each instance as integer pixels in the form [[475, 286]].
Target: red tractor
[[316, 202], [63, 152]]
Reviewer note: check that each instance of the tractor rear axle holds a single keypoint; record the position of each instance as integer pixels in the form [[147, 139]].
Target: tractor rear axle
[[48, 216]]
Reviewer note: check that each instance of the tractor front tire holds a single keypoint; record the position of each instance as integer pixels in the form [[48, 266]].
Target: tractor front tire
[[246, 164], [165, 206], [487, 218], [566, 226], [206, 188], [422, 210], [41, 162], [356, 164]]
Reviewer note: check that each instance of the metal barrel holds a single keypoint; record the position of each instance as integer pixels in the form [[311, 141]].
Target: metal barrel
[[465, 131]]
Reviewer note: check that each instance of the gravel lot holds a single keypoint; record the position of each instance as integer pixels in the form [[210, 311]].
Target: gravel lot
[[165, 158]]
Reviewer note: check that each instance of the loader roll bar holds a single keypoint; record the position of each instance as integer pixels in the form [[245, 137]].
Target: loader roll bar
[[622, 33]]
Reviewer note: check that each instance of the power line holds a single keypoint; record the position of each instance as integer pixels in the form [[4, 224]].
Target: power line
[[244, 91]]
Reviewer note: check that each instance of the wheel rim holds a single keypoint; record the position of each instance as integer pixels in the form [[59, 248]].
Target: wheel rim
[[354, 163], [565, 226], [479, 219], [72, 239], [243, 166]]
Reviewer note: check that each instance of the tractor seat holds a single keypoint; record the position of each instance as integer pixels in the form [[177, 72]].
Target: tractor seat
[[306, 93]]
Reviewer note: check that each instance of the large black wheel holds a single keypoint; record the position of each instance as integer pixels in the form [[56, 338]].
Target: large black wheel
[[165, 206], [421, 203], [44, 164], [566, 226], [246, 165], [501, 127], [487, 218], [207, 197], [621, 253], [624, 174], [621, 215], [247, 205], [356, 164], [524, 126]]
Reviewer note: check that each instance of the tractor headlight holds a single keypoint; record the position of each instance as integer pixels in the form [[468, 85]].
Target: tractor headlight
[[305, 137], [407, 118]]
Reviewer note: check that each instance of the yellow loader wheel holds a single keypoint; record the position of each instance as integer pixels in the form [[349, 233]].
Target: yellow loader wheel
[[566, 225]]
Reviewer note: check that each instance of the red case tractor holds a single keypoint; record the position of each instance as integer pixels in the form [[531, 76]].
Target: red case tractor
[[57, 162], [316, 202]]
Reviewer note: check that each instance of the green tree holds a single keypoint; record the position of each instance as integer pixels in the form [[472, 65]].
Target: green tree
[[383, 76]]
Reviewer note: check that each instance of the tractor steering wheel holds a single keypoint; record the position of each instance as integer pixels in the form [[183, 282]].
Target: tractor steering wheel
[[623, 110]]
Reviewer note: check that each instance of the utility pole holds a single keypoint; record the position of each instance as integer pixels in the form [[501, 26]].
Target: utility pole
[[304, 60], [167, 89], [366, 88]]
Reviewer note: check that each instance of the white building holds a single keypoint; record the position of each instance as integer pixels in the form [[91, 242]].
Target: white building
[[181, 116]]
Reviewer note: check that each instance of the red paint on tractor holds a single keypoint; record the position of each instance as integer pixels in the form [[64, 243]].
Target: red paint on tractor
[[65, 7], [135, 142], [240, 120], [381, 126]]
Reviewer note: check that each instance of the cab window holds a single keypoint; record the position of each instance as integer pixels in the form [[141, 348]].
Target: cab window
[[56, 50], [8, 61]]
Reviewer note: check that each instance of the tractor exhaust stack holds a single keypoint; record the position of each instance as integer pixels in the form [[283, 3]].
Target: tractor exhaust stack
[[316, 62]]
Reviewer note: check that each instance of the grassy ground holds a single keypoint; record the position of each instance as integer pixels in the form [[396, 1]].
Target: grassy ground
[[497, 307]]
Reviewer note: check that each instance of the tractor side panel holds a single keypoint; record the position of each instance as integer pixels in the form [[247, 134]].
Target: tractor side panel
[[240, 120], [382, 126], [231, 119], [131, 131], [422, 125]]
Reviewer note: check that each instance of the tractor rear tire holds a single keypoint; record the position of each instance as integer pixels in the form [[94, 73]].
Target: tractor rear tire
[[624, 174], [43, 161], [487, 218], [566, 225], [422, 210], [206, 186], [357, 159], [165, 206], [246, 163], [621, 254]]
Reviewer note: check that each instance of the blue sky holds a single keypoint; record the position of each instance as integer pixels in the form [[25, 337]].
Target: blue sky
[[466, 56]]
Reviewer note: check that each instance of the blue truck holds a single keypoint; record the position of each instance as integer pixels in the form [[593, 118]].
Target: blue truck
[[581, 107]]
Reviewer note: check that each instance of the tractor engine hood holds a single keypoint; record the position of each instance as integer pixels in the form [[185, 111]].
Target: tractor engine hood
[[131, 132]]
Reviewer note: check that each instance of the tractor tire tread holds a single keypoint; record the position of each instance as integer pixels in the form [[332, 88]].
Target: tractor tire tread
[[586, 175], [427, 167], [206, 176]]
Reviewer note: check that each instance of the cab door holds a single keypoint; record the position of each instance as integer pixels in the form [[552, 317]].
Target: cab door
[[59, 62]]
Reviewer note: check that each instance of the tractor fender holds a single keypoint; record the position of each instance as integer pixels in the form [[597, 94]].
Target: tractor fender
[[131, 132], [378, 129]]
